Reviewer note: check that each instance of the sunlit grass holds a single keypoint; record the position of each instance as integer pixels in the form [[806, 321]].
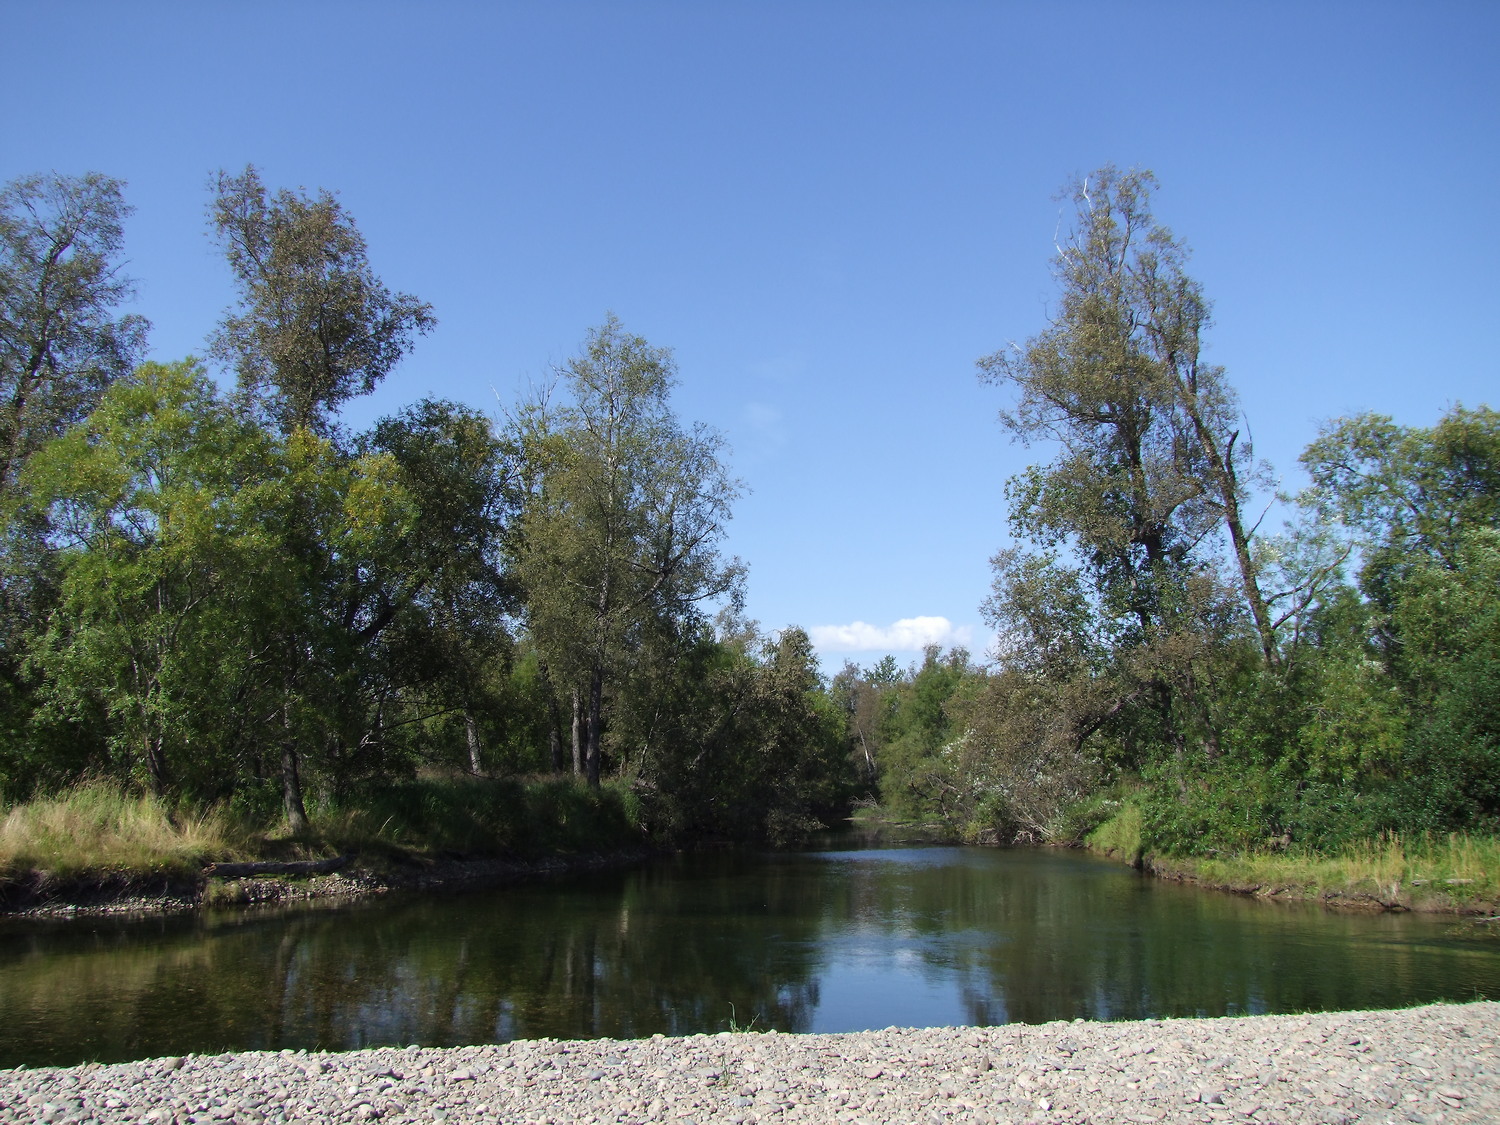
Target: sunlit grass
[[99, 827], [1392, 869], [1120, 835]]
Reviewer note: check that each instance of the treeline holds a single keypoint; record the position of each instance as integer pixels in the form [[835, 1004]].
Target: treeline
[[220, 595], [1240, 690]]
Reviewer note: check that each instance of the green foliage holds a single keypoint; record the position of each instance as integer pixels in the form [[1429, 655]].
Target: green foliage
[[1408, 494], [740, 747], [1145, 629], [918, 769], [616, 547], [228, 601], [482, 816], [315, 326], [61, 343], [160, 507]]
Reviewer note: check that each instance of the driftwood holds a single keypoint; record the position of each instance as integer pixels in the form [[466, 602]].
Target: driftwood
[[298, 867]]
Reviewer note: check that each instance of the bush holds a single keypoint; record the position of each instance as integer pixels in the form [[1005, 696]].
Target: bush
[[1234, 809], [472, 815]]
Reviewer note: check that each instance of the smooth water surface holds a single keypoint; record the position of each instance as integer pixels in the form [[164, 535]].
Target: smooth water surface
[[811, 941]]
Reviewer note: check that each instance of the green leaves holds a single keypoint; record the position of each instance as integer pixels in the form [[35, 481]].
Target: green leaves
[[315, 326], [617, 542], [195, 544]]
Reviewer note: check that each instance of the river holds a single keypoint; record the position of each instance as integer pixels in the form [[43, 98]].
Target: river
[[840, 939]]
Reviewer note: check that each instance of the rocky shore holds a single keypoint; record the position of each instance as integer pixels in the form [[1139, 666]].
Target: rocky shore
[[1438, 1065]]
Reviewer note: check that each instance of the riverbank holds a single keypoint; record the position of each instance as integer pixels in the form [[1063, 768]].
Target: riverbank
[[247, 884], [1438, 1065], [96, 849], [1454, 874]]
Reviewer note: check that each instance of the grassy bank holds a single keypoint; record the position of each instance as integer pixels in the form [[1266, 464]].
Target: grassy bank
[[1457, 872], [99, 829]]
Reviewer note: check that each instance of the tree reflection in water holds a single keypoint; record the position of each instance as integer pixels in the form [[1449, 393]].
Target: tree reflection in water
[[825, 941]]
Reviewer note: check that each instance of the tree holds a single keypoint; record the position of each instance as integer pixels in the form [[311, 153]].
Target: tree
[[159, 507], [1148, 485], [61, 342], [315, 326], [1422, 506], [442, 592], [1153, 456], [1407, 494], [620, 532], [743, 741], [917, 774]]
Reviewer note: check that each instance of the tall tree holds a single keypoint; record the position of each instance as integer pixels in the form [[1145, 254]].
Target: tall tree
[[61, 339], [315, 325], [1153, 455], [622, 528], [444, 589]]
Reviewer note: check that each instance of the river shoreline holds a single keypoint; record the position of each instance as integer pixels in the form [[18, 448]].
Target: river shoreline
[[246, 885], [1434, 1065], [347, 877], [1395, 899]]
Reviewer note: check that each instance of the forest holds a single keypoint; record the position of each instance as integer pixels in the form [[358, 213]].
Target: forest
[[214, 595]]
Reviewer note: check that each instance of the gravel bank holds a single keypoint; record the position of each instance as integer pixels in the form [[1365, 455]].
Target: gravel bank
[[1438, 1064]]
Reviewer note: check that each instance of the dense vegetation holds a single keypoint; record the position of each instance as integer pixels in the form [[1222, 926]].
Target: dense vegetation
[[224, 598], [215, 596], [1163, 661]]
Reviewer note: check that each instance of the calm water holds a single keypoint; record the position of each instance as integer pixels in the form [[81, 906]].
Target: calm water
[[816, 941]]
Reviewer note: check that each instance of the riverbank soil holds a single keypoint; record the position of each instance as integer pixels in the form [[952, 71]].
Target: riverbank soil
[[1438, 1065]]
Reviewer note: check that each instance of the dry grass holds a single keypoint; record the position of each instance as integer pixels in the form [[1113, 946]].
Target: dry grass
[[96, 827]]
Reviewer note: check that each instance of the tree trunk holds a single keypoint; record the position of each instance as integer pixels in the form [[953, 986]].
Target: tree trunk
[[577, 734], [595, 722], [291, 791], [471, 734], [156, 764], [1241, 540]]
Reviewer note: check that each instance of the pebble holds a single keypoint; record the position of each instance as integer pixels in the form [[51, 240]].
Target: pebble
[[1437, 1065]]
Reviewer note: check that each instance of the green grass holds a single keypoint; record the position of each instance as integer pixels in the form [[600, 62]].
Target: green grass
[[98, 827], [1427, 872], [468, 815], [1452, 871], [1120, 835]]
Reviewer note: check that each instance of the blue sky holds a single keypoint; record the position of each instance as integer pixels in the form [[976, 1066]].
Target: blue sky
[[828, 210]]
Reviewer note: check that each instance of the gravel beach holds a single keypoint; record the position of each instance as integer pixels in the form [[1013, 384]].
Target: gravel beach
[[1437, 1064]]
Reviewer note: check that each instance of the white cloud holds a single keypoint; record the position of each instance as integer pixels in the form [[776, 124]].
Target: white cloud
[[910, 634]]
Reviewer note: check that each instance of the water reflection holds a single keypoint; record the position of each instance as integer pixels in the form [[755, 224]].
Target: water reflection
[[831, 940]]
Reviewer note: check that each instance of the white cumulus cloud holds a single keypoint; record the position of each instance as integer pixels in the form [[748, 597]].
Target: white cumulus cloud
[[910, 634]]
